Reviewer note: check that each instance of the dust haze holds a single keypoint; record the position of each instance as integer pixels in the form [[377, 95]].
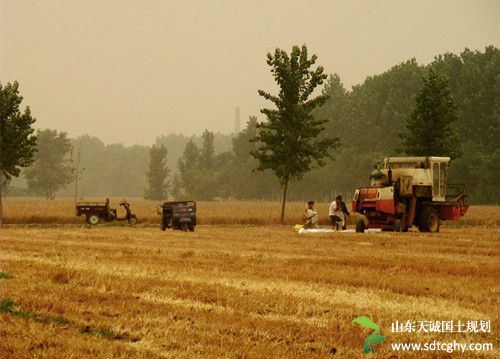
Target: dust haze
[[129, 71]]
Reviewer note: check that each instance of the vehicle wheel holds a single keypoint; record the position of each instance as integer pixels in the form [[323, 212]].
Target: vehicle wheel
[[191, 228], [184, 227], [360, 226], [93, 219], [428, 220], [132, 220], [164, 224], [397, 225]]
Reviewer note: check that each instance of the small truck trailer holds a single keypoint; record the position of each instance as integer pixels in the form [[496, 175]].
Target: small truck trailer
[[96, 212]]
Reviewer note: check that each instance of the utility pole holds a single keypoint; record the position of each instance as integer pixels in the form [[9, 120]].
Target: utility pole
[[78, 171]]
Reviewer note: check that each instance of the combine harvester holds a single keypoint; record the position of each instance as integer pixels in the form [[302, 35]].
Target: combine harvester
[[409, 191]]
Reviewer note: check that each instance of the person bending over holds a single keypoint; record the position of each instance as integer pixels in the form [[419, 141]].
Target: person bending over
[[336, 213], [310, 216]]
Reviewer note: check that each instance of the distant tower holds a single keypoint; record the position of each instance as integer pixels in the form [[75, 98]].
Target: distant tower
[[237, 126]]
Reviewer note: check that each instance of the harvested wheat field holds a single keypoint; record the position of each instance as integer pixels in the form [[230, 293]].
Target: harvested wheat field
[[240, 291], [62, 211]]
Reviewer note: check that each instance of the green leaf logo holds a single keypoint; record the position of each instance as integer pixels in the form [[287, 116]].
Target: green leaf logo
[[373, 338]]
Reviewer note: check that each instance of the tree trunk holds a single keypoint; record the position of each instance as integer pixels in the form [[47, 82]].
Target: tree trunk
[[283, 201], [1, 177], [1, 194]]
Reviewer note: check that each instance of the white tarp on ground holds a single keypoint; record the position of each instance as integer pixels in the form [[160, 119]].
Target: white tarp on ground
[[329, 230]]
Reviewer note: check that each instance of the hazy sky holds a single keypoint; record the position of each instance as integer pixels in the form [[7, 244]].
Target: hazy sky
[[128, 71]]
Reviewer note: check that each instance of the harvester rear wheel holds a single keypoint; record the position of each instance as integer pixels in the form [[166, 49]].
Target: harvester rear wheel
[[428, 220]]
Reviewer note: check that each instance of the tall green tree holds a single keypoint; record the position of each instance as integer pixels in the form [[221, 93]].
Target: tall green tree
[[189, 172], [429, 130], [474, 81], [176, 143], [208, 164], [111, 170], [290, 141], [335, 107], [176, 190], [207, 151], [17, 142], [240, 176], [377, 109], [52, 168], [157, 174], [200, 169]]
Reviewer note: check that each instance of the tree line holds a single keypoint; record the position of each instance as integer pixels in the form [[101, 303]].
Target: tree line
[[370, 118], [357, 128], [385, 115]]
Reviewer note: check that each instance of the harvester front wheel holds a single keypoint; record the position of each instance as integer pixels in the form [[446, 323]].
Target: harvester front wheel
[[428, 220], [397, 225], [360, 226]]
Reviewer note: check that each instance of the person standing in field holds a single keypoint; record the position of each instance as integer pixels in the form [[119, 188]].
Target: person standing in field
[[336, 214], [310, 216], [345, 212]]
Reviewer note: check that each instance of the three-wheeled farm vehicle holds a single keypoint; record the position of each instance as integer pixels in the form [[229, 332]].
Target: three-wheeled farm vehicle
[[409, 191], [178, 215], [101, 211]]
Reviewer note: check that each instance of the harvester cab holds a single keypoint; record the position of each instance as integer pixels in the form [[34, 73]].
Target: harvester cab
[[408, 191]]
